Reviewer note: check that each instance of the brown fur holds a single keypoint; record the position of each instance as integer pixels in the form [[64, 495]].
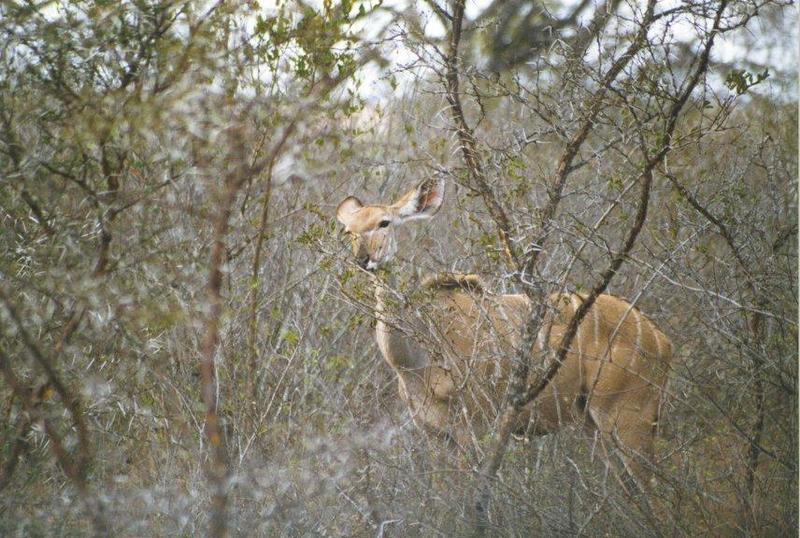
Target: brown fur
[[613, 382], [452, 352]]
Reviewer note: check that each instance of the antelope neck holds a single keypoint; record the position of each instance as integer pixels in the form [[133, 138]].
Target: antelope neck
[[399, 350]]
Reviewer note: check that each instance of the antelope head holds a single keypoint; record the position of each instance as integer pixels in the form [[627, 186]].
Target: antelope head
[[373, 228]]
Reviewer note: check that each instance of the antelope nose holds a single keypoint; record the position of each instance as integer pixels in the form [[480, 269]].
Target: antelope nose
[[362, 262]]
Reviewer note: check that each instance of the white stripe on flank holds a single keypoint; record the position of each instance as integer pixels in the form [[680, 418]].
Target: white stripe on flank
[[540, 337], [658, 340], [575, 305], [596, 313]]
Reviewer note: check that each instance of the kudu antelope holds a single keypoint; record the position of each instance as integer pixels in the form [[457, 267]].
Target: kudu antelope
[[612, 378]]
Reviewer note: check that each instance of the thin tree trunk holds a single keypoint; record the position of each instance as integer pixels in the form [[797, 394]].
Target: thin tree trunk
[[255, 284], [218, 469]]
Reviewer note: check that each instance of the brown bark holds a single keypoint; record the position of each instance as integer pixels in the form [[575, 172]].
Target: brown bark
[[218, 467], [469, 146]]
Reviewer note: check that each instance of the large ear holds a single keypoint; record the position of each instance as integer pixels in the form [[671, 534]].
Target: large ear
[[423, 201], [345, 211]]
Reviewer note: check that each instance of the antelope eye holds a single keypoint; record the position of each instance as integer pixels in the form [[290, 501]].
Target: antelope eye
[[384, 223]]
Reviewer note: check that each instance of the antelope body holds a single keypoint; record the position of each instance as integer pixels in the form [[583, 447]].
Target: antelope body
[[451, 350]]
